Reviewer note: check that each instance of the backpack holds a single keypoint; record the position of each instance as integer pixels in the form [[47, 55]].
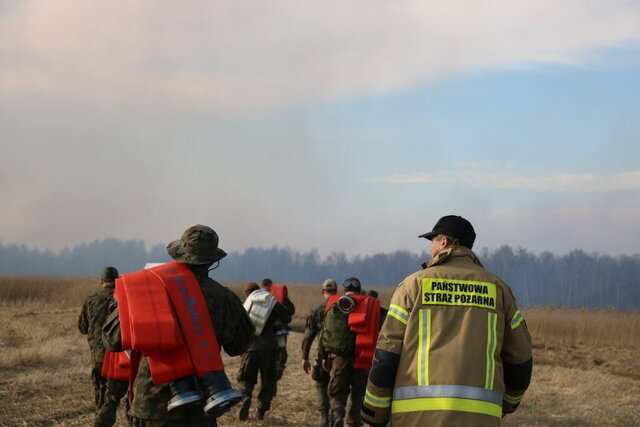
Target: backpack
[[337, 337]]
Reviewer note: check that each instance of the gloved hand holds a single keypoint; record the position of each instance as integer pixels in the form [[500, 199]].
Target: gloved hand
[[327, 364], [306, 366], [375, 416]]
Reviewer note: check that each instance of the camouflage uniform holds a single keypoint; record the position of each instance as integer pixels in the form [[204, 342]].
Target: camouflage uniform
[[346, 381], [313, 328], [232, 326], [260, 358], [92, 317], [115, 391], [95, 309], [233, 331]]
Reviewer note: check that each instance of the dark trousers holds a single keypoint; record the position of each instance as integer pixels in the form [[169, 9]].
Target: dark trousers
[[281, 361], [254, 363], [321, 379], [346, 381]]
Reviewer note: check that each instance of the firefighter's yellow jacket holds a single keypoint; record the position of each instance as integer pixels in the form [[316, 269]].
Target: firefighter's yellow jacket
[[453, 351]]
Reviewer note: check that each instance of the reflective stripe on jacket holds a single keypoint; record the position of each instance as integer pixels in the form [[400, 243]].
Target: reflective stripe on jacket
[[455, 349]]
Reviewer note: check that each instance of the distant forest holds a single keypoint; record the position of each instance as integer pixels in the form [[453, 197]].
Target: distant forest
[[576, 279]]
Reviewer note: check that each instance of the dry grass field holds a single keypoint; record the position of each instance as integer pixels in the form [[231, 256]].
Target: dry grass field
[[586, 373]]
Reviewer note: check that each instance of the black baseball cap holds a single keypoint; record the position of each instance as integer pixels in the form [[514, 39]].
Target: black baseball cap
[[453, 226]]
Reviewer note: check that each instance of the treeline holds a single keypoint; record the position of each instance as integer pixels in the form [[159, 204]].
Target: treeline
[[81, 260], [576, 279]]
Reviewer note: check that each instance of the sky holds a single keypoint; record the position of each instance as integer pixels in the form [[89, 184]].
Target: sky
[[337, 126]]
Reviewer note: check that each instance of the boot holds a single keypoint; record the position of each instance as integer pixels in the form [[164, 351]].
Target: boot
[[325, 420], [261, 413], [244, 410], [337, 420]]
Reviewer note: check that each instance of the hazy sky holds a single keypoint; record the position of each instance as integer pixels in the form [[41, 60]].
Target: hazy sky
[[337, 125]]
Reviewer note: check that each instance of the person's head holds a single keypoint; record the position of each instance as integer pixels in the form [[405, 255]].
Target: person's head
[[198, 246], [450, 230], [373, 294], [352, 285], [250, 287], [266, 284], [108, 275], [329, 287]]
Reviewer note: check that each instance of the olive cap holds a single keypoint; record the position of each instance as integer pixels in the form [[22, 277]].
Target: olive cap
[[109, 274], [329, 285]]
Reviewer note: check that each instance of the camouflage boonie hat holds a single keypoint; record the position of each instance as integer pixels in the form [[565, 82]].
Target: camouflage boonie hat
[[198, 245], [109, 274]]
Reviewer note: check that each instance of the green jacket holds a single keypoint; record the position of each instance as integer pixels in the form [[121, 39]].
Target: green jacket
[[313, 329], [92, 317], [234, 332]]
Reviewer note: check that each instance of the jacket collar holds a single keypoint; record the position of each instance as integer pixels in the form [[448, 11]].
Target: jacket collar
[[454, 252]]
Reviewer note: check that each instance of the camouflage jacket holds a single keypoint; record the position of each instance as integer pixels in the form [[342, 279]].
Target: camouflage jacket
[[234, 332], [313, 329], [92, 317]]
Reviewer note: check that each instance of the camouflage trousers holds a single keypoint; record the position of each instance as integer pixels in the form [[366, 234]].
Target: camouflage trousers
[[346, 381], [321, 379], [99, 384], [252, 364], [114, 392]]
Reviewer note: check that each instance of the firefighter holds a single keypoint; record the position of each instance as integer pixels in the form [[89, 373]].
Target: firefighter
[[455, 349], [313, 329]]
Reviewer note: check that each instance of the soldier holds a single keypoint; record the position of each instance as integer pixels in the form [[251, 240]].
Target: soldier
[[456, 349], [264, 310], [338, 341], [198, 250], [313, 328], [281, 352], [95, 310]]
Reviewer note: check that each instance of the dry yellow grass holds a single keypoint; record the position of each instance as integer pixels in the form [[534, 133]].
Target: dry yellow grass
[[586, 368]]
